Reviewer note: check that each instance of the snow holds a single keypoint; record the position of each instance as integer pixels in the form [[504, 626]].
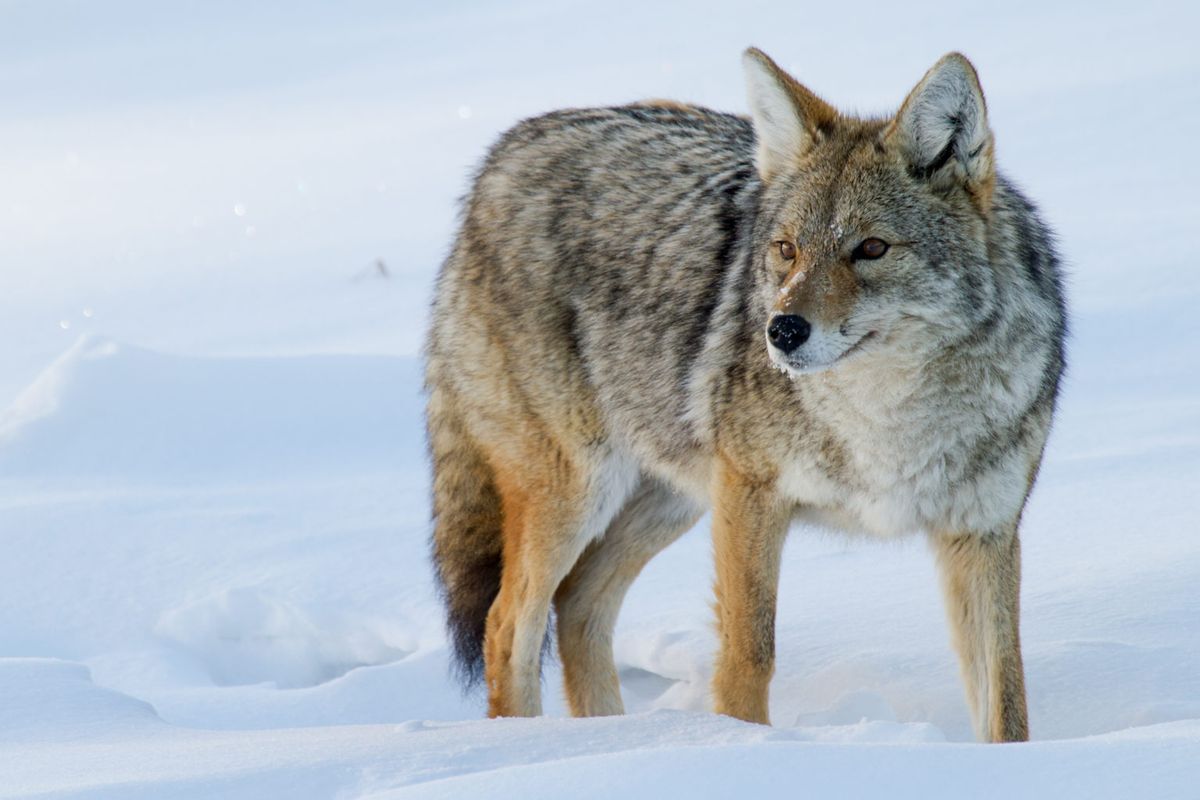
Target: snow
[[213, 495]]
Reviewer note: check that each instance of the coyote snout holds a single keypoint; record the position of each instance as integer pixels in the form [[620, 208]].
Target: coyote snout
[[604, 367], [797, 347]]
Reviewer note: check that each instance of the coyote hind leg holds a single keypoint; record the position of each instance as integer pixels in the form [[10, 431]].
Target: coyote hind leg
[[550, 512], [588, 601]]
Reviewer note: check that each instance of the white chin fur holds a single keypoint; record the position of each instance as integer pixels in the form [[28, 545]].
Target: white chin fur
[[795, 370], [818, 354]]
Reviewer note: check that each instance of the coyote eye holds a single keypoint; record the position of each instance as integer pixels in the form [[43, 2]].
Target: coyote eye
[[787, 251], [870, 249]]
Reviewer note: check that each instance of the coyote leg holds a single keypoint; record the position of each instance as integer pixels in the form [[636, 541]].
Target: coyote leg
[[981, 582], [749, 526], [549, 517], [589, 600]]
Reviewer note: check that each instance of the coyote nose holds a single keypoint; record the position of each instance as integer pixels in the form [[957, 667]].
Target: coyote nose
[[788, 331]]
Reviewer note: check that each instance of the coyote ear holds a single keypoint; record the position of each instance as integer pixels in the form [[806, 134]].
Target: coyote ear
[[788, 118], [942, 128]]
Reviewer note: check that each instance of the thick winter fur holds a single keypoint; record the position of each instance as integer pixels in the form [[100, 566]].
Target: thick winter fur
[[600, 373]]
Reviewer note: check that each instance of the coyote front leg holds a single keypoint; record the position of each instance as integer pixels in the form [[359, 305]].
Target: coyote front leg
[[749, 525], [981, 581]]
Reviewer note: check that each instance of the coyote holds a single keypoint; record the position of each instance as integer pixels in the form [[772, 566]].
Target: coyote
[[658, 309]]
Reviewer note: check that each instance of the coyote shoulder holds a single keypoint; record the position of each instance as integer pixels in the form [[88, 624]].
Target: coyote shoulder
[[654, 310]]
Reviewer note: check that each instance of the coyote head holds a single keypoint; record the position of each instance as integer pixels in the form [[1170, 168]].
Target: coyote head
[[871, 233]]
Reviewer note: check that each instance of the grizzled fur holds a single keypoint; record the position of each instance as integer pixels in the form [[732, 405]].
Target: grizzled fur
[[599, 372]]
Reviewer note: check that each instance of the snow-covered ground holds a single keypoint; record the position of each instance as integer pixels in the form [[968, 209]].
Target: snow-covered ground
[[213, 511]]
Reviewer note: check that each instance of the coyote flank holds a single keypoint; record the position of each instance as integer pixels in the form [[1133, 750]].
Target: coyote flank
[[658, 309]]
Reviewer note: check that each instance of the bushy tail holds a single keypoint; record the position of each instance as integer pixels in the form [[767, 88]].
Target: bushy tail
[[466, 539]]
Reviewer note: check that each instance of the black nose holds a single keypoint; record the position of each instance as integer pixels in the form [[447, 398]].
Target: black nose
[[788, 331]]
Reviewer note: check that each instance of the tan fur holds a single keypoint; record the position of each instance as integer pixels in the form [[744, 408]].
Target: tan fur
[[540, 499], [749, 525], [826, 299], [659, 102], [501, 622], [981, 581]]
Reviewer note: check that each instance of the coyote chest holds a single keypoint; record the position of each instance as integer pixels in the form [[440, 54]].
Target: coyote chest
[[923, 459]]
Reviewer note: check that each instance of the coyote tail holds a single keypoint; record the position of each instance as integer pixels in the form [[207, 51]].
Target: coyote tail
[[466, 542]]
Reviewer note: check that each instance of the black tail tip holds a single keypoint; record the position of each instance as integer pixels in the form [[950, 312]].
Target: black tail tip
[[466, 639]]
